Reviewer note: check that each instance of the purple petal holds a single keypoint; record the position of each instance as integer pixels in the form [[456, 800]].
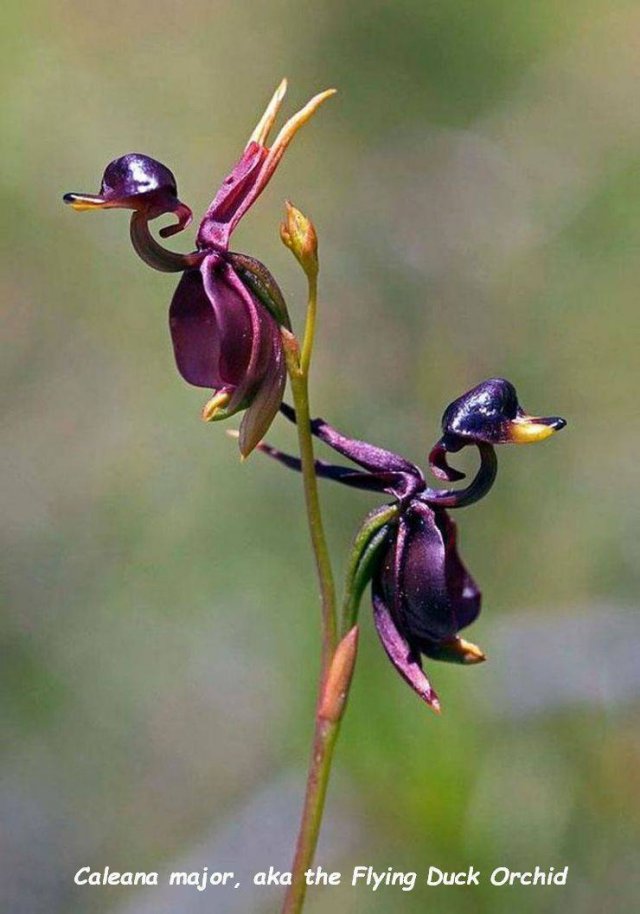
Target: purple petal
[[420, 580], [268, 398], [262, 342], [393, 473], [463, 590], [401, 654], [219, 221], [212, 329], [439, 466], [346, 475]]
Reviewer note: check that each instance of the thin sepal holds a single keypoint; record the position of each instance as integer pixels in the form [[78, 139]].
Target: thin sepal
[[257, 277], [366, 552]]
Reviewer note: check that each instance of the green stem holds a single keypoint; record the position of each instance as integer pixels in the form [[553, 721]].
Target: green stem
[[324, 741], [299, 389], [326, 732], [310, 326]]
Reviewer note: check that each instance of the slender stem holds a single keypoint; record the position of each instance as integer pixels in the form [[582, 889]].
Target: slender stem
[[310, 326], [316, 528], [326, 731], [324, 741]]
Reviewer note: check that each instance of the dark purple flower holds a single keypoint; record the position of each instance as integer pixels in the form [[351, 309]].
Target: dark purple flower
[[423, 596], [422, 593], [226, 313]]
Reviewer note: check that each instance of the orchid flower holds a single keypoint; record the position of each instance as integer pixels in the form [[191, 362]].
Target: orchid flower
[[422, 593], [227, 311]]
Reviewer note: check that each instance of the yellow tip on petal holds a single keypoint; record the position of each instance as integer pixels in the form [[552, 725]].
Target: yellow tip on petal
[[291, 128], [264, 125], [214, 405], [470, 653], [83, 202], [527, 430], [456, 650]]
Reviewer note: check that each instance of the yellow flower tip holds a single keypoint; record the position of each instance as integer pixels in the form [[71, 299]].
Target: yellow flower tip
[[213, 406], [264, 125], [470, 653], [456, 650], [83, 202], [529, 429], [294, 124], [435, 706]]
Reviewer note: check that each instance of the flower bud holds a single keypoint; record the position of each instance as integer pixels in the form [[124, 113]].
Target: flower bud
[[299, 235], [338, 679]]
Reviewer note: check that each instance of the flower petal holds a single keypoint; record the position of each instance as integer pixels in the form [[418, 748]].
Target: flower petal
[[267, 400], [420, 578], [211, 327], [252, 355], [346, 475], [393, 473], [406, 662], [463, 591], [219, 220]]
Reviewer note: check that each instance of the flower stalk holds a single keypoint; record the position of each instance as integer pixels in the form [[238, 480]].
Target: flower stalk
[[338, 659]]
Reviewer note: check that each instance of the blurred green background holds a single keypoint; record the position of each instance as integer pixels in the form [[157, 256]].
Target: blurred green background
[[475, 186]]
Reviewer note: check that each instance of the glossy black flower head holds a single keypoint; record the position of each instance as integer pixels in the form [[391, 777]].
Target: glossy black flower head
[[226, 313], [488, 414], [422, 593], [140, 183]]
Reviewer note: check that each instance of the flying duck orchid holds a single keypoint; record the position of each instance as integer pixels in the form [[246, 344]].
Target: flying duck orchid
[[227, 311], [422, 593]]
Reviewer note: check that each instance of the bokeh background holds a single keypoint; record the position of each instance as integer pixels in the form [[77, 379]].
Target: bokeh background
[[475, 186]]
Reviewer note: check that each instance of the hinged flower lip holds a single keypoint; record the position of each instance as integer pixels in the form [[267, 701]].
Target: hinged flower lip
[[140, 183], [488, 414]]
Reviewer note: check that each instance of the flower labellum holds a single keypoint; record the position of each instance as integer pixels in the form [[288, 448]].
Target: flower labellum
[[227, 310], [487, 414]]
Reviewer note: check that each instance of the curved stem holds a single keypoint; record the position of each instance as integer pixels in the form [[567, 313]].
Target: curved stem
[[477, 488], [153, 254]]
